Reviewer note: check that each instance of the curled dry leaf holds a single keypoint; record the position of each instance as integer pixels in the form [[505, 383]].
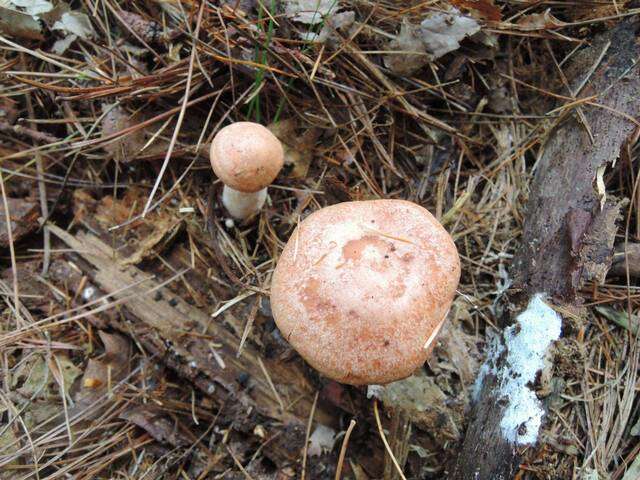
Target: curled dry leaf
[[75, 23], [25, 18], [442, 32], [151, 233], [429, 399], [437, 35], [128, 145], [409, 52], [157, 424], [538, 21], [458, 352], [164, 230], [61, 46], [103, 374], [321, 440], [132, 142]]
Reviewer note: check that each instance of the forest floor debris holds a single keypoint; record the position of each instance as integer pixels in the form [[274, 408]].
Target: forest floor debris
[[147, 348]]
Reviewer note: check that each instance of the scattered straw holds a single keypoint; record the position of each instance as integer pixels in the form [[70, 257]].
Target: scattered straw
[[384, 440], [343, 449], [307, 435]]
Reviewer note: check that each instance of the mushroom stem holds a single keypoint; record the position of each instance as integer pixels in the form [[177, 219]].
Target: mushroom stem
[[243, 205]]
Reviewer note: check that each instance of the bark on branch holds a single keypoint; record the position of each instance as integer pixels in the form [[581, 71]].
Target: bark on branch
[[568, 237]]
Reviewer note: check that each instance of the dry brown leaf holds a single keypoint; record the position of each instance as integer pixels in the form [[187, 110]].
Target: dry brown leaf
[[35, 294], [538, 21], [164, 230], [442, 32], [420, 397], [485, 9], [101, 375], [19, 25], [298, 147], [109, 212], [460, 351], [23, 216], [83, 205], [38, 377], [410, 53], [592, 10], [149, 30], [145, 236], [124, 148]]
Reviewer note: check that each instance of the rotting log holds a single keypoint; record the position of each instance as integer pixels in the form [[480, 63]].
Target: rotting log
[[185, 337], [567, 238]]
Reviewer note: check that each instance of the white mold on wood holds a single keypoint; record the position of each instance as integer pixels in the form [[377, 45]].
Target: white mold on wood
[[526, 344]]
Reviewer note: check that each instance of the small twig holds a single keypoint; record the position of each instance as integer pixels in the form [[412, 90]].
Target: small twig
[[306, 437], [12, 252], [27, 132], [249, 324], [271, 385], [238, 464], [42, 186]]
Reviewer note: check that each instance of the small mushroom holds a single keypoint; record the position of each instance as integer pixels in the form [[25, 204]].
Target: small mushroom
[[362, 289], [247, 157]]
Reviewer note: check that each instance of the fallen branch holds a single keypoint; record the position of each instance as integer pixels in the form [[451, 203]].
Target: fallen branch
[[568, 237]]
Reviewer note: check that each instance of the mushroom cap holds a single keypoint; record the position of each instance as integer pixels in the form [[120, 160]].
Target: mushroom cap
[[362, 288], [246, 156]]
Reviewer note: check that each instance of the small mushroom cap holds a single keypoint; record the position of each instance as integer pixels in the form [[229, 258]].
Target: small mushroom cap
[[362, 288], [246, 156]]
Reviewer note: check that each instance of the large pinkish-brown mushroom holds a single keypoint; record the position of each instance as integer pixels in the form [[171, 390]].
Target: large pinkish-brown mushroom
[[247, 157], [362, 289]]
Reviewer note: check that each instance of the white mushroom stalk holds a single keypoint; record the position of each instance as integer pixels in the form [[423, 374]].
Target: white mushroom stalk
[[243, 205], [247, 157]]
